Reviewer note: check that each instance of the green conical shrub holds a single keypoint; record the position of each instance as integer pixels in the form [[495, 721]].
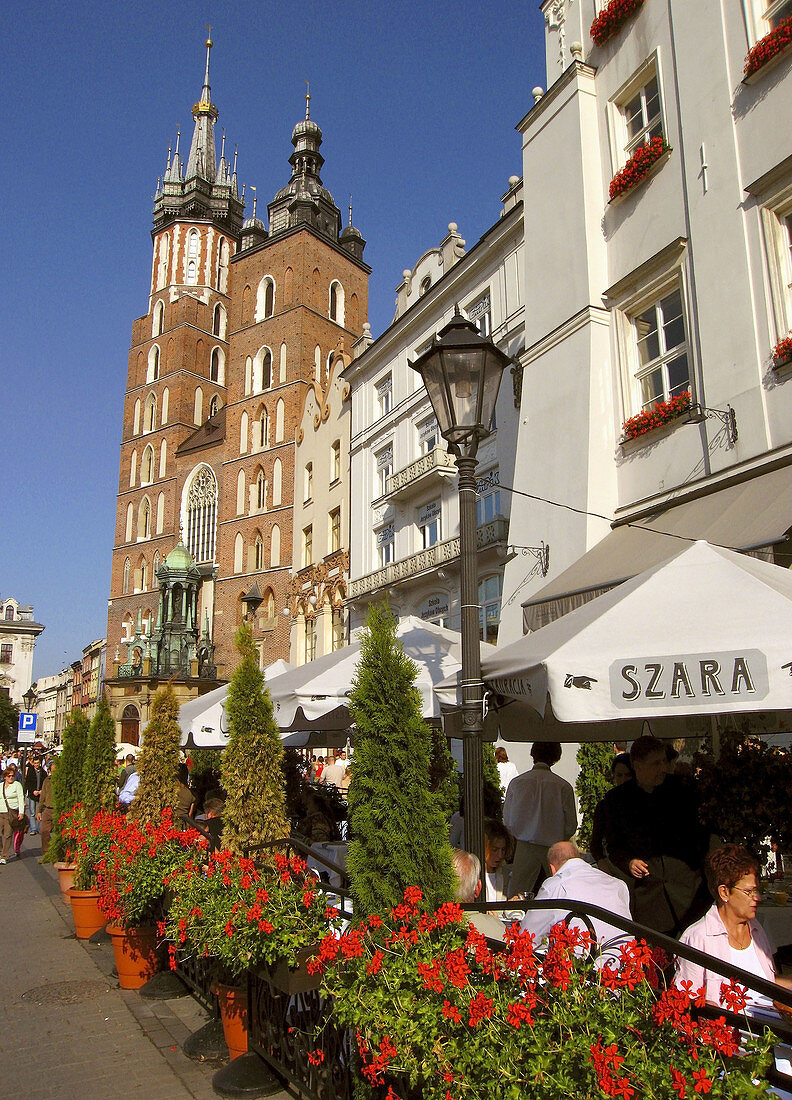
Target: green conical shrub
[[399, 830], [67, 779], [158, 760], [443, 773], [99, 770], [593, 783], [492, 794], [255, 809]]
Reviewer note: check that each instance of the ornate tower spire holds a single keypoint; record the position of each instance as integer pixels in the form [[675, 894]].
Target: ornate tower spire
[[202, 160]]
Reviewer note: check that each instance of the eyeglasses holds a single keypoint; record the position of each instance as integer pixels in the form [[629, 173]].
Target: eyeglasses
[[753, 892]]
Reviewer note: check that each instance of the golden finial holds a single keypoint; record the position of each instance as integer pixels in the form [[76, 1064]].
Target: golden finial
[[208, 36], [307, 100]]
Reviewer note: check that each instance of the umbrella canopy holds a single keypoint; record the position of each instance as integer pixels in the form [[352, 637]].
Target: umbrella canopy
[[124, 748], [707, 632], [203, 720], [315, 697]]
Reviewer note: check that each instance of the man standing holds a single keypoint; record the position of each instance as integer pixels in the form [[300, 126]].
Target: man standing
[[575, 880], [539, 811], [654, 838], [332, 773], [126, 771], [35, 775]]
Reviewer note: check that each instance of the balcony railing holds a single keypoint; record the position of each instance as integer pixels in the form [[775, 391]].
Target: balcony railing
[[436, 461], [489, 534]]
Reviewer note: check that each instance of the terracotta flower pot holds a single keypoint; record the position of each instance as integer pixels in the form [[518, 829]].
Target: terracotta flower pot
[[88, 917], [137, 956], [233, 1004], [65, 879]]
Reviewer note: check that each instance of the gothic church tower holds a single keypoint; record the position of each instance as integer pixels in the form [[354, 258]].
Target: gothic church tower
[[241, 322]]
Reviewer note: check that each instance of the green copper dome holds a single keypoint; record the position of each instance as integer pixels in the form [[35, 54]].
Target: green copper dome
[[180, 558]]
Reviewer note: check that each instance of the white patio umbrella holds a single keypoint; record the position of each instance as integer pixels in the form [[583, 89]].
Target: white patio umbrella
[[707, 632], [203, 720]]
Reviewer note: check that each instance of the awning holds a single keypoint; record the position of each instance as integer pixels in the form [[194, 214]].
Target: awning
[[744, 516]]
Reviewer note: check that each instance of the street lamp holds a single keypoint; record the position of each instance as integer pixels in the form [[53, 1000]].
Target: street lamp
[[29, 698], [461, 371]]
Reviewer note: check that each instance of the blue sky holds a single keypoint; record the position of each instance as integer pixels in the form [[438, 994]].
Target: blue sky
[[417, 103]]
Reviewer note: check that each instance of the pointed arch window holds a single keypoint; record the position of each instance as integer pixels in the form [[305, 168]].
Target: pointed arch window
[[239, 549], [125, 582], [280, 413], [219, 320], [240, 499], [282, 371], [155, 566], [164, 255], [275, 542], [265, 298], [160, 513], [277, 483], [158, 320], [165, 398], [222, 267], [261, 491], [258, 554], [128, 525], [163, 461], [144, 519], [263, 439], [243, 434], [262, 370], [147, 466], [217, 366], [136, 418], [200, 507], [336, 311], [150, 413], [198, 407], [193, 252], [143, 575], [133, 470], [214, 406]]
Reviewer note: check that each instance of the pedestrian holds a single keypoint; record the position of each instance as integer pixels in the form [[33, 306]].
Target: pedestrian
[[46, 809], [126, 771], [12, 814], [539, 811], [506, 770], [35, 774]]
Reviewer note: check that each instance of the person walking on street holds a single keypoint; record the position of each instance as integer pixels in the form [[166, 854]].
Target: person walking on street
[[35, 774], [46, 808], [539, 811], [12, 810]]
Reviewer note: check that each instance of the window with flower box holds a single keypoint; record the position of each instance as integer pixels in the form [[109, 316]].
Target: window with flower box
[[773, 195], [661, 350], [770, 26], [639, 129]]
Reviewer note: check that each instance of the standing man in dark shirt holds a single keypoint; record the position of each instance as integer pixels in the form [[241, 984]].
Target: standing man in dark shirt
[[654, 837], [35, 774]]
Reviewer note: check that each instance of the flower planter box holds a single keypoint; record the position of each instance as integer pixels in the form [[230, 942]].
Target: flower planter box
[[612, 18], [643, 171], [296, 979], [768, 52], [691, 415], [782, 353]]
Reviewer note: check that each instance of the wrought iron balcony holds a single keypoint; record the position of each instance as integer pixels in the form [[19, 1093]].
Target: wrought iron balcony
[[435, 463], [489, 534]]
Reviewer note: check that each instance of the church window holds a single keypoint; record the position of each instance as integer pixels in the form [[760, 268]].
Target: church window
[[163, 458], [144, 519], [164, 255], [164, 416], [215, 366], [282, 373], [258, 554], [198, 408], [158, 321], [275, 546], [147, 466], [246, 296], [243, 434], [193, 250], [277, 483], [128, 527], [136, 418], [214, 406], [261, 492], [150, 413], [280, 411], [125, 583], [240, 499], [265, 298], [133, 470], [201, 514], [222, 267], [239, 549], [288, 285], [263, 433], [353, 313], [143, 576], [160, 513], [269, 605], [262, 370], [336, 302], [219, 321], [155, 566]]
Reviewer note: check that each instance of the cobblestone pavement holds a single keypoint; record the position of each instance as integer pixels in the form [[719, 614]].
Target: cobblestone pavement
[[67, 1032]]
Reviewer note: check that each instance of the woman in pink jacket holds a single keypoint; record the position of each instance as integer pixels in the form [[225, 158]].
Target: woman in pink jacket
[[729, 930]]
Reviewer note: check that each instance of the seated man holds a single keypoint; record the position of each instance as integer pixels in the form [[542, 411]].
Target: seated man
[[213, 821], [468, 873], [496, 846], [573, 879]]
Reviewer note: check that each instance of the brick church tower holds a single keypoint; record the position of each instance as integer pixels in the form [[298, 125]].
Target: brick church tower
[[241, 323]]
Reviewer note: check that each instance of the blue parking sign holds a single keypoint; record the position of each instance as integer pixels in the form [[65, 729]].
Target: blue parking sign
[[27, 727]]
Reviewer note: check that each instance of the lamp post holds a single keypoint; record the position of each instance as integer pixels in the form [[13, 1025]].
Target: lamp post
[[462, 371]]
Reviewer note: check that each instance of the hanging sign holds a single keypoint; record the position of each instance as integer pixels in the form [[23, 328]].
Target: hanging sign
[[688, 679]]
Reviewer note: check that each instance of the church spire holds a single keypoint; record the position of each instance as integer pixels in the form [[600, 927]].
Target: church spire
[[202, 160]]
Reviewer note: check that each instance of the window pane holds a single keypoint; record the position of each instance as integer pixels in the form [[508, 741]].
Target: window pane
[[633, 116], [652, 388], [648, 339], [678, 376], [652, 99]]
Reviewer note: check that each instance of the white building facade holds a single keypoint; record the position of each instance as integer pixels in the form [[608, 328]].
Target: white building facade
[[659, 294], [18, 633], [404, 516]]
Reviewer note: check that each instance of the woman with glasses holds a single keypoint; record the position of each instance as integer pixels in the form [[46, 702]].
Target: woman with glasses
[[729, 931], [12, 806]]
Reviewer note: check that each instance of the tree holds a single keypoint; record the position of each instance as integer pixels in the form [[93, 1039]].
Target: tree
[[493, 795], [255, 809], [67, 779], [9, 719], [399, 830], [99, 770], [443, 773], [593, 783], [158, 760]]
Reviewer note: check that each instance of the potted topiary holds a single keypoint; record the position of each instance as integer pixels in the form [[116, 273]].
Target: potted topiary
[[88, 842], [67, 785]]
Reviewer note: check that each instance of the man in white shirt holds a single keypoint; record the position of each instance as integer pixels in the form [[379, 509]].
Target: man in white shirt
[[332, 773], [539, 811], [575, 880], [468, 874]]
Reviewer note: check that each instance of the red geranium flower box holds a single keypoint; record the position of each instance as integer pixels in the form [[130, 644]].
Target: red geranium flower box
[[658, 415], [638, 167], [769, 47], [612, 18], [782, 352]]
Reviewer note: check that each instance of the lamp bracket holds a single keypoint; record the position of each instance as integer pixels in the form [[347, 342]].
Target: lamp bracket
[[540, 553]]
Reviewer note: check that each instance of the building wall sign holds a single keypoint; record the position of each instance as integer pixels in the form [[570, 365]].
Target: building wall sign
[[688, 679], [385, 534], [428, 512], [434, 607]]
